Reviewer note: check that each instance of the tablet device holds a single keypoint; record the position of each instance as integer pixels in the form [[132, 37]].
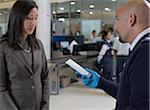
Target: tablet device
[[77, 67]]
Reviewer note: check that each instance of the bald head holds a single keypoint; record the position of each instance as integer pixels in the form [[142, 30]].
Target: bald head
[[140, 9], [131, 19]]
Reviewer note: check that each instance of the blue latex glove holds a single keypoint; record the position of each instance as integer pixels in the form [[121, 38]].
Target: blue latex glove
[[91, 81]]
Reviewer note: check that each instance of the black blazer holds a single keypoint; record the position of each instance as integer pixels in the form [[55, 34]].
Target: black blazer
[[21, 87], [133, 91]]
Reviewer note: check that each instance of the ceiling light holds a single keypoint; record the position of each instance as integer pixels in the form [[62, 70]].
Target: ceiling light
[[113, 0], [61, 8], [54, 12], [61, 19], [72, 3], [91, 6], [107, 9], [91, 12], [78, 10]]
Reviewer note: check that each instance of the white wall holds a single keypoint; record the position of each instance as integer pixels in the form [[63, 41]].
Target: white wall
[[43, 25], [3, 27], [87, 26]]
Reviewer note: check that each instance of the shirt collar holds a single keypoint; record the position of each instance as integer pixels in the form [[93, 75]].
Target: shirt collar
[[108, 41], [132, 45]]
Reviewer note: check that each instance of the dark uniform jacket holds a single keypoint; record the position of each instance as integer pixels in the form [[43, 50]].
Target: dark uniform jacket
[[21, 87], [133, 91]]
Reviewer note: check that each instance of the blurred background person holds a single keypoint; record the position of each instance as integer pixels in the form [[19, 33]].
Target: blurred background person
[[97, 39], [93, 35], [77, 32], [105, 59], [53, 33]]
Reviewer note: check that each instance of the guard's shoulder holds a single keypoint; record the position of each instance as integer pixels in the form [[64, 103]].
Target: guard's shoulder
[[146, 41]]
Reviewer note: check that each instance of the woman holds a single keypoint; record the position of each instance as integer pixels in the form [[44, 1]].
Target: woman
[[24, 83], [104, 59]]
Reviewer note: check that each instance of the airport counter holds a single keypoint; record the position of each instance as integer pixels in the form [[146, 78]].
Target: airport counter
[[61, 75]]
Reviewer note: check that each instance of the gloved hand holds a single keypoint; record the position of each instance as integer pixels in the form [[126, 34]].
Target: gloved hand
[[91, 81]]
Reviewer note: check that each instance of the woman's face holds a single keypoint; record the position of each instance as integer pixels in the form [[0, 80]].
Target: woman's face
[[109, 36], [30, 22]]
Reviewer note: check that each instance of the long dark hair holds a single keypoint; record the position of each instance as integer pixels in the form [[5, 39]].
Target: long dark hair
[[19, 11], [105, 32]]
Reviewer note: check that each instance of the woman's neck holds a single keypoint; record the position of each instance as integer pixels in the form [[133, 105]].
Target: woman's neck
[[24, 36]]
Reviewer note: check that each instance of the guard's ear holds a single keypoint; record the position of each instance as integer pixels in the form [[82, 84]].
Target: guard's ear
[[132, 19]]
